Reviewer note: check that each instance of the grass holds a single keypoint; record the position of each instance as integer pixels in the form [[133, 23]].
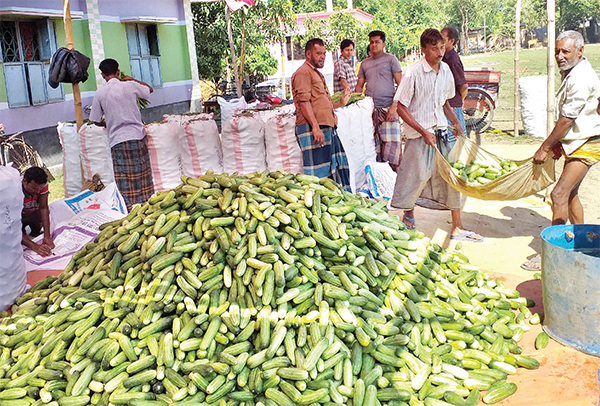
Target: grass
[[531, 62], [57, 190]]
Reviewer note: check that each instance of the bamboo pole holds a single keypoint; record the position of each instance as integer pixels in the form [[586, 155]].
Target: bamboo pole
[[551, 8], [517, 49], [70, 45], [236, 75]]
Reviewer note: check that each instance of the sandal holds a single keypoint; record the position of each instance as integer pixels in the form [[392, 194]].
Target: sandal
[[534, 264], [409, 222]]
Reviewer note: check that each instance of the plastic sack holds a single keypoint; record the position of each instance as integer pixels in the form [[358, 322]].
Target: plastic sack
[[381, 180], [184, 118], [355, 129], [243, 141], [527, 179], [75, 222], [200, 147], [230, 108], [534, 96], [13, 276], [165, 156], [95, 153], [71, 148], [283, 151]]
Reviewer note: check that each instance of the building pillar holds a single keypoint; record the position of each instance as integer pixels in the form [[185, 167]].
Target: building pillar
[[196, 98], [93, 15]]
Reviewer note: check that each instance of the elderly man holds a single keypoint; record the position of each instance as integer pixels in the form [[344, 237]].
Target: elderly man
[[576, 134], [344, 76], [381, 72], [461, 88], [423, 103], [316, 122]]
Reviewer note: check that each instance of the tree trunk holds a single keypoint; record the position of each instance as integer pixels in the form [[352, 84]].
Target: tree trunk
[[465, 29], [243, 50], [236, 75]]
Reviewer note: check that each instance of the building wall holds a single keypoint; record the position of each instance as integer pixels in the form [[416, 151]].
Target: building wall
[[174, 59]]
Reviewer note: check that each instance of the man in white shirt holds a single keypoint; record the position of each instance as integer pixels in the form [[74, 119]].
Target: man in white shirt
[[422, 99], [117, 103]]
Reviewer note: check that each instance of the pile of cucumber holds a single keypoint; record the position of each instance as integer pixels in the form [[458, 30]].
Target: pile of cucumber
[[264, 289], [481, 173]]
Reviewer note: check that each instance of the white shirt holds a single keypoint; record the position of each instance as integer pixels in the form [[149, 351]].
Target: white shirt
[[577, 98], [117, 102], [424, 92]]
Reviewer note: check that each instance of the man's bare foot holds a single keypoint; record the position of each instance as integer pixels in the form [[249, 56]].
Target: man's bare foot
[[460, 234]]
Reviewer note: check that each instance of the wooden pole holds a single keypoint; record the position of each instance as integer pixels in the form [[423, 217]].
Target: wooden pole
[[551, 8], [69, 37], [517, 49], [236, 75]]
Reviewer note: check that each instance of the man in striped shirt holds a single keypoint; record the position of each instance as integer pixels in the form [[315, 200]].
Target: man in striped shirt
[[422, 99]]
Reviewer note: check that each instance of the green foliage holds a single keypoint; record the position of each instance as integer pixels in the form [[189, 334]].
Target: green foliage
[[210, 32], [572, 13]]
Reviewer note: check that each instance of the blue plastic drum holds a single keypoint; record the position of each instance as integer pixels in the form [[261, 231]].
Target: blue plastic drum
[[571, 283]]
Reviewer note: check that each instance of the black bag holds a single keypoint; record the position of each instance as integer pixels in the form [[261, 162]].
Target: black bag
[[68, 66]]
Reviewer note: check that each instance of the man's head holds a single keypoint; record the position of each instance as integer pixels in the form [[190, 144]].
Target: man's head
[[109, 68], [347, 48], [569, 50], [376, 42], [34, 180], [450, 35], [432, 45], [315, 52]]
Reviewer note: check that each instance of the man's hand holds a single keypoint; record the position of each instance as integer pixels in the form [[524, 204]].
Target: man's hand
[[127, 77], [346, 96], [319, 136], [429, 139], [43, 250], [540, 156], [392, 113], [48, 241], [457, 130]]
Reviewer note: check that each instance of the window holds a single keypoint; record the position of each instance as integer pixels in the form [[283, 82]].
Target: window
[[26, 47], [298, 53], [144, 53]]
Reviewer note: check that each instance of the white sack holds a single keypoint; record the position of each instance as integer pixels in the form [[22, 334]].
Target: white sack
[[165, 157], [355, 129], [75, 222], [230, 108], [243, 141], [181, 119], [95, 153], [71, 149], [12, 266], [381, 180], [534, 100], [283, 151], [200, 147]]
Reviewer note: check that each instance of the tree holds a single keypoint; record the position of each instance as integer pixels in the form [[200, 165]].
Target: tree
[[573, 13]]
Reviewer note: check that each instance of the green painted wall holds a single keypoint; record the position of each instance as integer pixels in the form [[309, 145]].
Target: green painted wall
[[174, 55], [114, 38]]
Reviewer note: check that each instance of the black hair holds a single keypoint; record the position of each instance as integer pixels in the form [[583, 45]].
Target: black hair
[[451, 33], [311, 44], [430, 36], [109, 67], [346, 43], [36, 174], [377, 33], [368, 49]]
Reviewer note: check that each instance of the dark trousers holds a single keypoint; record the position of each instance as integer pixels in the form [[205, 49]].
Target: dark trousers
[[34, 221]]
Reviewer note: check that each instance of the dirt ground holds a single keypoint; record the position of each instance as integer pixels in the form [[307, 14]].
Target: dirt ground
[[511, 228]]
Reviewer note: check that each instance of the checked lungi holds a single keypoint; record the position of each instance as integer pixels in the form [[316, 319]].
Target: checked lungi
[[328, 161], [133, 173], [387, 136]]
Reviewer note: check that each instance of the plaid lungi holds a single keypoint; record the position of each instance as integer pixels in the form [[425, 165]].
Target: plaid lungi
[[387, 135], [328, 161], [133, 173]]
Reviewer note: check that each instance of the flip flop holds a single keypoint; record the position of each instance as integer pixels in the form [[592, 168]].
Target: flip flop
[[466, 236], [409, 222], [534, 264]]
